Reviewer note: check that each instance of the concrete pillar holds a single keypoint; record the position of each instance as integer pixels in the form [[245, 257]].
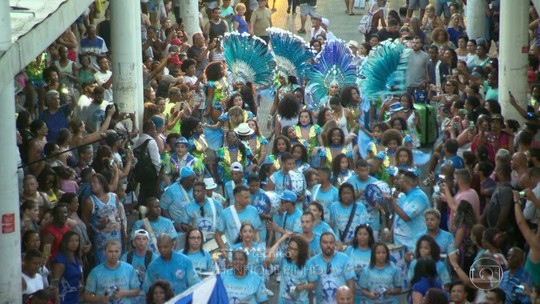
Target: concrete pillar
[[189, 12], [476, 18], [513, 48], [5, 36], [127, 56], [10, 241]]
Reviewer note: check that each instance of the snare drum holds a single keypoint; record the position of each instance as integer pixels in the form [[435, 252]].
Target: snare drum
[[374, 193], [397, 256]]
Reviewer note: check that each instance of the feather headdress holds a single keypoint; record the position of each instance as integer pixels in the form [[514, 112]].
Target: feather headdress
[[385, 70], [248, 59], [334, 67], [290, 52]]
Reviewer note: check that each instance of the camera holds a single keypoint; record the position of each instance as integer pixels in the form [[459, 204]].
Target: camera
[[521, 194], [519, 289]]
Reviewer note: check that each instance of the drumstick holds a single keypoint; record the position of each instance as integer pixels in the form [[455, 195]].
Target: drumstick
[[143, 211]]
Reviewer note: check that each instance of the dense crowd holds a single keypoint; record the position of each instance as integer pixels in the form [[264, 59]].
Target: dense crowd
[[421, 195]]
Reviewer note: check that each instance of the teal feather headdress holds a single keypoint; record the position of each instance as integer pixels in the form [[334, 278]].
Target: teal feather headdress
[[290, 52], [248, 59], [334, 67], [385, 70]]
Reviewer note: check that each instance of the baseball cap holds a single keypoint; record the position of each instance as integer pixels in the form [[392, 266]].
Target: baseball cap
[[141, 232], [288, 196], [236, 166]]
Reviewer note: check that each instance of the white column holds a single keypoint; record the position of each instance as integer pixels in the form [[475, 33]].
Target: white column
[[514, 37], [5, 36], [189, 12], [127, 56], [476, 18], [10, 231]]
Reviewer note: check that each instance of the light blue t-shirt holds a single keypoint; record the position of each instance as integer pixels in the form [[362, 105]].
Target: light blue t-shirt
[[360, 260], [339, 216], [315, 245], [161, 226], [326, 198], [140, 269], [291, 276], [192, 216], [360, 185], [379, 280], [442, 272], [202, 261], [249, 289], [291, 222], [262, 202], [174, 199], [256, 256], [374, 216], [330, 278], [323, 227], [178, 271], [104, 281], [414, 204], [229, 227], [293, 180]]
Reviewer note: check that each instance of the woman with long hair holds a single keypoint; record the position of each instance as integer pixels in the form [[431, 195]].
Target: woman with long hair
[[342, 169], [201, 259], [104, 216], [464, 221], [427, 247], [424, 278], [307, 132], [301, 158], [335, 145], [246, 242], [294, 286], [319, 225], [78, 130], [192, 129], [342, 115], [360, 253], [217, 90], [35, 154], [74, 221], [381, 279], [67, 269], [281, 145]]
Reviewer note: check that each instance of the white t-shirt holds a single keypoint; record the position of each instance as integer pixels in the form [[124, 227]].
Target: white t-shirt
[[102, 78]]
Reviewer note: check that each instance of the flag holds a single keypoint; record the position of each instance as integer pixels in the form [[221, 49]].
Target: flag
[[210, 291]]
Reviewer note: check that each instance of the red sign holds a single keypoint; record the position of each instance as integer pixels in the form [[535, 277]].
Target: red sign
[[8, 223]]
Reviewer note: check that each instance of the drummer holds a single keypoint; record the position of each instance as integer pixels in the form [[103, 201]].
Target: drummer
[[409, 209]]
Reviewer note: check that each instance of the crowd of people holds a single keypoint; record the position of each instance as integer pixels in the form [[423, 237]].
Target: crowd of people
[[421, 192]]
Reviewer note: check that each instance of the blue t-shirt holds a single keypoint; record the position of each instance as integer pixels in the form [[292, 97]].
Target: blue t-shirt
[[178, 271], [414, 204], [140, 269], [323, 227], [330, 278], [360, 260], [424, 284], [374, 216], [509, 282], [69, 282], [174, 199], [339, 216], [262, 202], [379, 280], [228, 226], [256, 256], [228, 191], [161, 226], [442, 272], [104, 281], [291, 222], [315, 245], [242, 24], [326, 198], [291, 276], [293, 180], [55, 121], [193, 216], [249, 289], [202, 261]]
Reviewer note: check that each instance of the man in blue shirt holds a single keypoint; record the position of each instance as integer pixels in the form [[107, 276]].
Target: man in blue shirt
[[261, 201], [515, 275], [113, 280], [287, 178], [233, 216], [202, 213], [409, 210], [177, 196], [325, 193], [313, 239], [172, 267], [237, 176], [154, 224], [55, 116], [291, 215], [331, 269], [444, 238]]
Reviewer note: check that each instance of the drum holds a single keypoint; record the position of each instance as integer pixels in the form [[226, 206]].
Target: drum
[[212, 246], [275, 201], [374, 193], [397, 256]]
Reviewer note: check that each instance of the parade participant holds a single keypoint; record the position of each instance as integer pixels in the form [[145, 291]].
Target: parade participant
[[202, 213], [201, 259], [427, 247], [360, 254], [243, 284], [345, 214], [381, 280], [319, 225], [177, 196], [325, 193], [287, 178], [154, 224]]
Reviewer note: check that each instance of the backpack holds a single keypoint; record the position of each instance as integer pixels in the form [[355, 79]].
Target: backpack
[[365, 22], [147, 258], [143, 167]]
